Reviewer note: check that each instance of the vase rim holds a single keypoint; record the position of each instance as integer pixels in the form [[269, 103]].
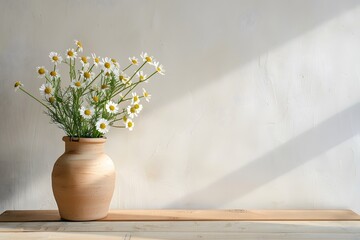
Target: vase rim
[[84, 140]]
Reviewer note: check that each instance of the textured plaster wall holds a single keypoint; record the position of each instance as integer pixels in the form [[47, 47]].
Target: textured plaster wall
[[259, 107]]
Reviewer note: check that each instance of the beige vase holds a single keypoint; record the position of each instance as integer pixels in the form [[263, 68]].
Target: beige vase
[[83, 180]]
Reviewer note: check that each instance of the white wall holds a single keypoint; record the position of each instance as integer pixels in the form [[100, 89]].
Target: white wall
[[259, 108]]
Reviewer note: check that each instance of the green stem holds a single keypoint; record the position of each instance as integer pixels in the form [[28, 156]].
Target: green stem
[[70, 72], [119, 119], [137, 71], [91, 83], [91, 68], [74, 69], [118, 126], [127, 67], [131, 88], [47, 80], [29, 94], [120, 90]]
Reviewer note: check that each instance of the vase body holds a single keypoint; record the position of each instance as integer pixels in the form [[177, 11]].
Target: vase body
[[83, 180]]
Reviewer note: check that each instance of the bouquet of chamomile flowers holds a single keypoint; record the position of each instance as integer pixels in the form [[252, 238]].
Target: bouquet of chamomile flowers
[[99, 94]]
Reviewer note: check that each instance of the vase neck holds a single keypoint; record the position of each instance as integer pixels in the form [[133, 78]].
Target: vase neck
[[91, 146]]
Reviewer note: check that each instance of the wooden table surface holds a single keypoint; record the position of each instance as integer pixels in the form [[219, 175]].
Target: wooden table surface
[[185, 224]]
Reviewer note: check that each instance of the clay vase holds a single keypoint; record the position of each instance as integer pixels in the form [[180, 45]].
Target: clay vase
[[83, 180]]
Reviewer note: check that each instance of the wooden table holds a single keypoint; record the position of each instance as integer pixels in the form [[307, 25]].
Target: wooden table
[[185, 224]]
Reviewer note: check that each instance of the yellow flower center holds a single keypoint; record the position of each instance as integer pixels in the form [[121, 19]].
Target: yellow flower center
[[136, 98], [97, 60], [136, 106], [134, 61], [95, 98], [125, 118], [41, 71], [113, 60], [158, 69], [148, 59], [51, 99], [53, 73], [121, 77], [107, 74], [87, 75], [55, 58], [142, 77], [78, 84], [130, 124], [102, 125], [132, 110], [84, 59], [104, 86], [47, 90], [17, 84], [107, 65], [87, 112], [70, 53], [79, 44], [111, 107], [146, 94]]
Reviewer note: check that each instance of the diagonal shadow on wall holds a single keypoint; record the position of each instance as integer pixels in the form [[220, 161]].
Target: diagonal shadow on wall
[[297, 151]]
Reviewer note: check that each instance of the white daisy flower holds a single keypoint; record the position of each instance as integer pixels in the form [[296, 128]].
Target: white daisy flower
[[146, 95], [159, 68], [138, 107], [84, 61], [107, 75], [124, 118], [128, 83], [129, 124], [87, 112], [87, 76], [146, 58], [135, 98], [104, 87], [123, 77], [79, 45], [107, 65], [134, 60], [46, 90], [95, 99], [115, 62], [96, 59], [55, 58], [116, 72], [71, 54], [17, 85], [50, 99], [77, 84], [102, 125], [41, 71], [141, 76], [111, 107], [131, 111], [94, 88], [54, 74]]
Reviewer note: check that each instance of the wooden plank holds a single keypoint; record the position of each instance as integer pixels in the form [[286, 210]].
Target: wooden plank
[[193, 215], [63, 235], [171, 236], [186, 226]]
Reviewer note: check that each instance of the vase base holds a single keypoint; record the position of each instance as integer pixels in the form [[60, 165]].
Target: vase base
[[82, 219]]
